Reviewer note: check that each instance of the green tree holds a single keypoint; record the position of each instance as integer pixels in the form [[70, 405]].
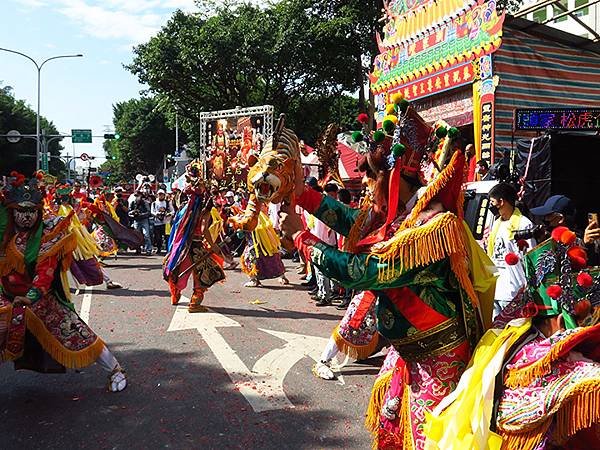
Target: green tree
[[286, 54], [17, 115], [144, 139], [510, 6]]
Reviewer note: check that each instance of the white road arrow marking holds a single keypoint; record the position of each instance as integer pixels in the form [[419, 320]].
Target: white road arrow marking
[[263, 386], [297, 347]]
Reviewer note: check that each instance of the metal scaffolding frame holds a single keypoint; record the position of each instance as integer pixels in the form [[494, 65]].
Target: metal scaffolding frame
[[571, 12], [266, 111]]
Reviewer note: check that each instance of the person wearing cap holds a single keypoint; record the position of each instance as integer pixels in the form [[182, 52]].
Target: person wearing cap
[[556, 211], [162, 210], [559, 210]]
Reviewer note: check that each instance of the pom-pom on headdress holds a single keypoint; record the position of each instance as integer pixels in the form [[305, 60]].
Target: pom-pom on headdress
[[558, 282], [23, 193], [406, 138]]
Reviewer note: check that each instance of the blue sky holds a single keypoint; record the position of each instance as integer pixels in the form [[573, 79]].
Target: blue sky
[[78, 92]]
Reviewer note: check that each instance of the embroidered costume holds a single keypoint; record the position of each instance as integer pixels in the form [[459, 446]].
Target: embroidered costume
[[261, 259], [531, 386], [421, 272], [39, 328], [191, 248]]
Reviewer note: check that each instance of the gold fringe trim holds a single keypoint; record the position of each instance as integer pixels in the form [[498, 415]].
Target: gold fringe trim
[[253, 272], [517, 378], [380, 388], [355, 232], [460, 267], [405, 422], [13, 260], [524, 441], [433, 189], [68, 358], [352, 350], [439, 238], [581, 411]]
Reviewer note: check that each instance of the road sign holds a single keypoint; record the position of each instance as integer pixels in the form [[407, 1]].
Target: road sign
[[45, 161], [81, 136], [93, 169], [84, 156], [13, 136]]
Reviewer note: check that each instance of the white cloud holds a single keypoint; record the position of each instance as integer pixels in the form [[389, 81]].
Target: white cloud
[[133, 21]]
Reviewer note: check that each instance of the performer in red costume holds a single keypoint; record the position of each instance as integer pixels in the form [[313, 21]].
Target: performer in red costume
[[39, 328]]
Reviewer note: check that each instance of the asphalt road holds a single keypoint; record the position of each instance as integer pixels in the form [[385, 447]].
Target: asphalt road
[[195, 383]]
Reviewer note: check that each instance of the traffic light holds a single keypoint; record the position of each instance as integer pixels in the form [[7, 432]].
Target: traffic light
[[170, 162], [112, 136]]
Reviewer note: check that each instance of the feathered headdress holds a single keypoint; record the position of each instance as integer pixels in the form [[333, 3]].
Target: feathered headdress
[[327, 153]]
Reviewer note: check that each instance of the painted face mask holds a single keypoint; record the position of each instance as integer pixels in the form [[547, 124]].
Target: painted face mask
[[25, 219]]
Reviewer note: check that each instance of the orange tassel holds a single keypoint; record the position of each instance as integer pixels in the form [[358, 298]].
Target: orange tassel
[[352, 350]]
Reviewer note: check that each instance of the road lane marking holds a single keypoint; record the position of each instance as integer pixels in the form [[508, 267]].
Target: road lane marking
[[86, 305], [263, 386]]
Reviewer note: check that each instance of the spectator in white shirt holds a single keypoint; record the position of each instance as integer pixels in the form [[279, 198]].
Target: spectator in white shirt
[[162, 210], [503, 198]]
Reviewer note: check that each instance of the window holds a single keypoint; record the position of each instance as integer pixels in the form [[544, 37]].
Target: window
[[557, 10], [584, 11], [540, 15]]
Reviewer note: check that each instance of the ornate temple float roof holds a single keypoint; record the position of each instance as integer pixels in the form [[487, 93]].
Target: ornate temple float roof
[[425, 37]]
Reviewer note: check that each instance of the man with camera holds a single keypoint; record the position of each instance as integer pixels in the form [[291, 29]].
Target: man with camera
[[139, 212], [162, 211]]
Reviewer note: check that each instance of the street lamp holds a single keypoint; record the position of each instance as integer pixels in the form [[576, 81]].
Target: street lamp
[[39, 69]]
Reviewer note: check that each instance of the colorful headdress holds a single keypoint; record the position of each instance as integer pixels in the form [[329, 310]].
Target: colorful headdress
[[195, 177], [558, 283], [407, 140], [23, 193], [558, 280]]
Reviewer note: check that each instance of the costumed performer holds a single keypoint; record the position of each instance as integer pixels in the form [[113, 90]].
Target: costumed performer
[[191, 248], [426, 279], [534, 379], [39, 328]]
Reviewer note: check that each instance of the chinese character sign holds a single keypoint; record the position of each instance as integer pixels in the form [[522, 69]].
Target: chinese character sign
[[557, 119]]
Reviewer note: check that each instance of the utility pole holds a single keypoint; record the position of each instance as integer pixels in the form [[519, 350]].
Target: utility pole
[[39, 71]]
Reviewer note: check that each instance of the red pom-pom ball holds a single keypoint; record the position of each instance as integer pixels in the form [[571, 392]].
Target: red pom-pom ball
[[585, 280], [578, 258], [522, 244], [557, 233], [511, 259], [582, 308], [568, 237], [554, 291], [363, 118]]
